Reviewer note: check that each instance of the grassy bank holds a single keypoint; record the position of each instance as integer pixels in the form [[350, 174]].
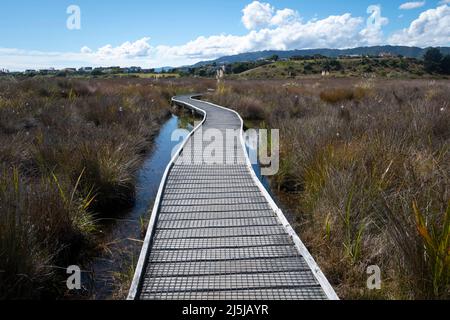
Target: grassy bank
[[365, 171], [69, 151]]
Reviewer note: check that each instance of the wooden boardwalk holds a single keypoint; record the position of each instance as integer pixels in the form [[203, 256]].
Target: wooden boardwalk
[[216, 234]]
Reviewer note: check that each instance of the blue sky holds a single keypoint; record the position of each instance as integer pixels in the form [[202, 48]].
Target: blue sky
[[33, 34]]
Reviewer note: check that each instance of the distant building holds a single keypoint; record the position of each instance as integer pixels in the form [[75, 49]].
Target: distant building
[[70, 70]]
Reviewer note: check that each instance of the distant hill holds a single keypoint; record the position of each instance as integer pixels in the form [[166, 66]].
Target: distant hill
[[388, 67], [411, 52]]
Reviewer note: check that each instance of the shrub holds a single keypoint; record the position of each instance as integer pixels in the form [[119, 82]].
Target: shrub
[[337, 95]]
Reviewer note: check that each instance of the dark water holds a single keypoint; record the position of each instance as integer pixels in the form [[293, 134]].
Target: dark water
[[122, 237]]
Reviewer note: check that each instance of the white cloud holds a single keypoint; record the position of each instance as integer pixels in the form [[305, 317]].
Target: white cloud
[[334, 31], [431, 28], [139, 48], [86, 49], [412, 5], [257, 14], [285, 16]]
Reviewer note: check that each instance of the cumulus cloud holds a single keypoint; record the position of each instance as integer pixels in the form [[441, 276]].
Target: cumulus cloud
[[259, 15], [256, 15], [431, 28], [334, 31], [412, 5], [139, 48], [285, 16]]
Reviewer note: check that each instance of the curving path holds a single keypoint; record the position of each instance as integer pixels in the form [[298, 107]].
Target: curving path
[[216, 234]]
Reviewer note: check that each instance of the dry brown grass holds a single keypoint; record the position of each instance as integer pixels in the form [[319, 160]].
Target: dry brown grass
[[69, 151], [337, 95], [355, 156]]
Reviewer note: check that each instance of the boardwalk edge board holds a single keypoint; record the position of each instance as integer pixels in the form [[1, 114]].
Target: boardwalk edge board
[[145, 252]]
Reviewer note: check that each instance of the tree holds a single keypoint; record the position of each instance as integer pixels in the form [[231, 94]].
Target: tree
[[275, 57], [432, 60], [445, 64], [334, 65]]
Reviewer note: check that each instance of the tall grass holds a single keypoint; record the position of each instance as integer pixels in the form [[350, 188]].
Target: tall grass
[[41, 224], [69, 152], [355, 157]]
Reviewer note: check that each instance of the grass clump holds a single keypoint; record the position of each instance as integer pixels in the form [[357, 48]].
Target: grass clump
[[41, 225], [436, 237]]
